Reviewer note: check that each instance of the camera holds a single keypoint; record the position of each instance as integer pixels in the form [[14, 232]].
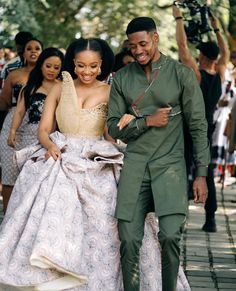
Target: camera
[[197, 24]]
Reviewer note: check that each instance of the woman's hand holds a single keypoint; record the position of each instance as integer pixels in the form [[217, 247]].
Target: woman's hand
[[53, 151], [125, 120], [11, 141]]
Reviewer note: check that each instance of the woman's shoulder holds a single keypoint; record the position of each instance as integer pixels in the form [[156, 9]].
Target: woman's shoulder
[[104, 87], [45, 90], [18, 76], [105, 91], [57, 85], [14, 73], [55, 91]]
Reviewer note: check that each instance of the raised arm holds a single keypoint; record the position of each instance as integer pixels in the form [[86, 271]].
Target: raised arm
[[48, 123], [182, 43], [224, 50], [17, 120]]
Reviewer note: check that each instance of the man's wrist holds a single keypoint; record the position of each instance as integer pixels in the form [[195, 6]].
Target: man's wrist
[[178, 18], [149, 120], [201, 171], [216, 30]]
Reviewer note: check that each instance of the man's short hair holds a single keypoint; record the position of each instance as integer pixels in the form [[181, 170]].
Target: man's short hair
[[209, 49], [141, 24], [22, 37]]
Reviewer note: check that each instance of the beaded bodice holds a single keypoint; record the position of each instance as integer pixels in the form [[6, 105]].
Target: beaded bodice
[[77, 121]]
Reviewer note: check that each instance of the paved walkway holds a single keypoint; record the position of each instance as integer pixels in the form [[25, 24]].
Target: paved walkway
[[209, 259]]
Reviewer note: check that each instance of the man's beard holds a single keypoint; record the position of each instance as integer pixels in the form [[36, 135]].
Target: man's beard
[[149, 62]]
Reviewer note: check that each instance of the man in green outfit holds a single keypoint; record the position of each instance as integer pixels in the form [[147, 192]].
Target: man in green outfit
[[149, 100]]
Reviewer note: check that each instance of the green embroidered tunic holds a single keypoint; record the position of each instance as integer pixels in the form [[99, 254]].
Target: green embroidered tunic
[[161, 149]]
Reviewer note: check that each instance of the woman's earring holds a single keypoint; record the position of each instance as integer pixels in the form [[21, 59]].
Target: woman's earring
[[99, 71]]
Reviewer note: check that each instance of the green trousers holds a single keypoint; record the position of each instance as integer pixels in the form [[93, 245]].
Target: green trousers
[[131, 235]]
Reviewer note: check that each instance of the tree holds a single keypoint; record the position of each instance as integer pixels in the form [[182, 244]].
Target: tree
[[232, 25], [57, 22]]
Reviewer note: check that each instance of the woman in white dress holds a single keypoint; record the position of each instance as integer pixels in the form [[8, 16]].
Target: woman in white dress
[[61, 234]]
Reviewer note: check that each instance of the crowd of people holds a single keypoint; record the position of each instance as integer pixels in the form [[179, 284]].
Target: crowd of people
[[89, 144]]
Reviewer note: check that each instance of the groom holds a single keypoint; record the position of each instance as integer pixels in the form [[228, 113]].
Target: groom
[[149, 100]]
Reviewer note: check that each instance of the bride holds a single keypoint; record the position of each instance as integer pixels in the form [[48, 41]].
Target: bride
[[59, 232]]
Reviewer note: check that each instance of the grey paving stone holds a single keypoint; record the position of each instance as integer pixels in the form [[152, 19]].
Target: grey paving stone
[[225, 286], [226, 273], [203, 289], [198, 273], [197, 259], [202, 284], [193, 279]]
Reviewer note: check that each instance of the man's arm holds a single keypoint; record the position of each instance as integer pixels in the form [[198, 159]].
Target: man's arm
[[117, 109], [224, 51], [194, 114], [124, 126], [181, 39]]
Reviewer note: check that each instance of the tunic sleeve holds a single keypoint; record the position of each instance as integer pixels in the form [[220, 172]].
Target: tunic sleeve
[[117, 108], [194, 113]]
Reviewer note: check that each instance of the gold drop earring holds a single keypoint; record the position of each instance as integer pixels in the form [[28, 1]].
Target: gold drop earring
[[99, 71]]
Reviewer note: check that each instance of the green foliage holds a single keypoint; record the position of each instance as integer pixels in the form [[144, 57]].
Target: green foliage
[[57, 22], [232, 18]]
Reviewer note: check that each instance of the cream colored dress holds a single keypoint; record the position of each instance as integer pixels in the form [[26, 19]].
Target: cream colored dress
[[59, 232]]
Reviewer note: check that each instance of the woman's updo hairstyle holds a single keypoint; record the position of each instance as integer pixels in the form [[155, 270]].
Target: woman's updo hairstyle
[[94, 44]]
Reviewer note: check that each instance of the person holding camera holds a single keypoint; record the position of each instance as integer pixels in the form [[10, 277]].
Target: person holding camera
[[210, 73]]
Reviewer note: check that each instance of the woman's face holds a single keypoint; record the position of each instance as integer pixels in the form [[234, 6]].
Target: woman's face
[[87, 66], [32, 51], [51, 68]]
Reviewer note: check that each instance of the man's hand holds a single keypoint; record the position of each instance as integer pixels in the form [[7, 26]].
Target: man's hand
[[176, 11], [200, 190], [160, 118], [214, 22]]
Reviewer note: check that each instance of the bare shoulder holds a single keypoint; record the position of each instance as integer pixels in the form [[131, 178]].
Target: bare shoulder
[[55, 91], [105, 90], [57, 85], [13, 74], [18, 76]]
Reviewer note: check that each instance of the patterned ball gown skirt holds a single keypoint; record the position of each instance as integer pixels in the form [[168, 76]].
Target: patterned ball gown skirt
[[59, 232]]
